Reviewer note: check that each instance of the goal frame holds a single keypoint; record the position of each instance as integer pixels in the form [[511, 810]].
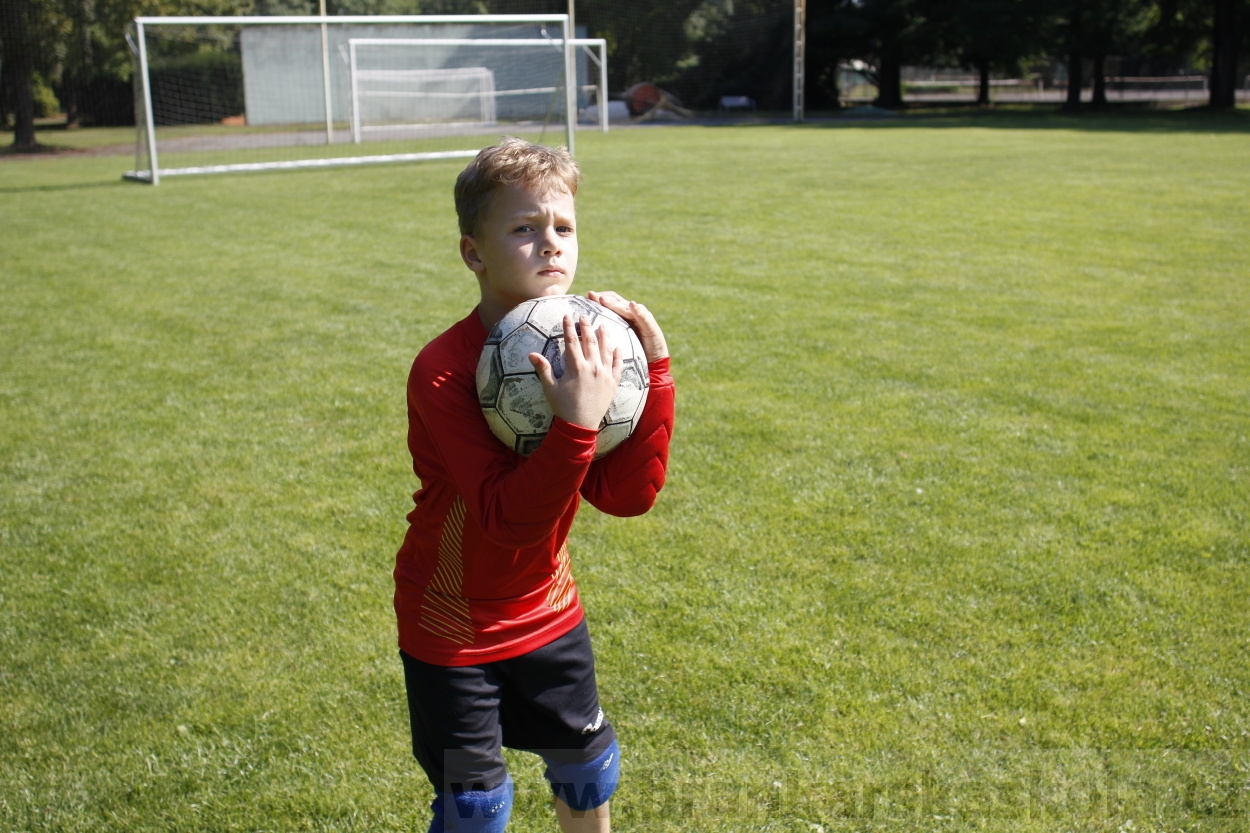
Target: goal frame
[[144, 92], [485, 91], [588, 44]]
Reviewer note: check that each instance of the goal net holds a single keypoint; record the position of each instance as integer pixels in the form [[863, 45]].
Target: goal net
[[219, 94], [396, 99]]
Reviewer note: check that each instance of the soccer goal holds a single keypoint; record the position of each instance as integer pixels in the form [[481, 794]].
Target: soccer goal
[[224, 94], [400, 99], [400, 86]]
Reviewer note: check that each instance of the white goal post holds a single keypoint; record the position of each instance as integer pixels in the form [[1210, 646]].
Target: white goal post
[[223, 94]]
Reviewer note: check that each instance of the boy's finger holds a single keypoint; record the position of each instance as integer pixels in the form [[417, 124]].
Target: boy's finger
[[589, 338], [605, 298], [571, 337], [605, 345], [612, 301], [543, 368]]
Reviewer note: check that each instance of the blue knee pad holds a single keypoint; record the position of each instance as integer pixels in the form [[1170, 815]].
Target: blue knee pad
[[472, 811], [586, 786]]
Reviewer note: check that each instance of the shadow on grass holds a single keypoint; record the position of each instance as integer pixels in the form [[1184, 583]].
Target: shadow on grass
[[67, 186], [1115, 118]]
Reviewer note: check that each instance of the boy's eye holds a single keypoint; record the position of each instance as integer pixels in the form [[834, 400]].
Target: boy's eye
[[564, 229], [524, 228]]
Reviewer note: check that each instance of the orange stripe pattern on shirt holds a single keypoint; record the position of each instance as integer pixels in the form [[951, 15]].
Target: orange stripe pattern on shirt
[[445, 611], [561, 591]]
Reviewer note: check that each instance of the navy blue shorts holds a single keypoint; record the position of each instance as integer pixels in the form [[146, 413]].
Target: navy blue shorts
[[545, 702]]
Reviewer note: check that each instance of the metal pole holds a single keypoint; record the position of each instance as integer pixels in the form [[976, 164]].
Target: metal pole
[[603, 87], [351, 51], [325, 76], [141, 36], [800, 44], [570, 84]]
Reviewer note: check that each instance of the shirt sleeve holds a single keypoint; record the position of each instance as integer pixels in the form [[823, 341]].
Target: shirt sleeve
[[516, 501], [626, 481]]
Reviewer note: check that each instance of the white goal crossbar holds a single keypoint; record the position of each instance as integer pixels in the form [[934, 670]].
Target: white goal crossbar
[[481, 77], [147, 150]]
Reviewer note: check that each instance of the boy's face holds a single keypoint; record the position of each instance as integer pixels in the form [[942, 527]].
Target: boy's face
[[525, 247]]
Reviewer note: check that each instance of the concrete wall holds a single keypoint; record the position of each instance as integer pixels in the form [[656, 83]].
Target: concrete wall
[[282, 72]]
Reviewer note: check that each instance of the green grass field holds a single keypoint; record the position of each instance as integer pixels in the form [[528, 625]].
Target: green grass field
[[955, 537]]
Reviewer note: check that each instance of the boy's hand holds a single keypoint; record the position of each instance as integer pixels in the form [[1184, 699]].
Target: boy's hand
[[640, 318], [592, 372]]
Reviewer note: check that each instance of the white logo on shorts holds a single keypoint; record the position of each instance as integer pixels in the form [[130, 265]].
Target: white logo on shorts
[[591, 728]]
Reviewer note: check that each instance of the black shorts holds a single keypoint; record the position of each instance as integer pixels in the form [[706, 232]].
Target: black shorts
[[545, 702]]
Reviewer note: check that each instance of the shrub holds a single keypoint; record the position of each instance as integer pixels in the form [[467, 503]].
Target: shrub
[[46, 103], [108, 102], [218, 78]]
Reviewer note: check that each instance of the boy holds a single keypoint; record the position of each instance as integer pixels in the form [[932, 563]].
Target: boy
[[491, 632]]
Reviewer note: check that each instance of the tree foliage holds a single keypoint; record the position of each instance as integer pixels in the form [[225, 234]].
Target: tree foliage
[[698, 49], [994, 35], [1158, 37]]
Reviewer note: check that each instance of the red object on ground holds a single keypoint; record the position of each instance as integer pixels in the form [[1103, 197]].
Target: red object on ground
[[642, 97]]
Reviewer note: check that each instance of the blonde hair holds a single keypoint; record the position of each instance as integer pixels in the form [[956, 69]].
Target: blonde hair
[[512, 161]]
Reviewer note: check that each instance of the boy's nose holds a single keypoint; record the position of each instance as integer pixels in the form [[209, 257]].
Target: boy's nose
[[550, 243]]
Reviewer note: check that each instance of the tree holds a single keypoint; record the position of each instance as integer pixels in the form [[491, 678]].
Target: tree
[[993, 34], [1172, 37], [1074, 45], [1187, 33], [885, 34], [743, 47], [832, 36], [1115, 27], [19, 30], [1230, 20], [646, 39], [1162, 35]]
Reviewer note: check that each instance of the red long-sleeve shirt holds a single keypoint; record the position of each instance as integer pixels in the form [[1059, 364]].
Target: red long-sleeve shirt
[[483, 573]]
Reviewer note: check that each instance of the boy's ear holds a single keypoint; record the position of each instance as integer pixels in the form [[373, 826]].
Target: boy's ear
[[469, 254]]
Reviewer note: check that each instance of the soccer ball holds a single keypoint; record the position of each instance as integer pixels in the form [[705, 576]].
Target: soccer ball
[[511, 394]]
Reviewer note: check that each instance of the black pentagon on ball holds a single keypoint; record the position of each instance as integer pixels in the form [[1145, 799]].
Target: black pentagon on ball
[[552, 351], [631, 377], [584, 307], [488, 393], [527, 444]]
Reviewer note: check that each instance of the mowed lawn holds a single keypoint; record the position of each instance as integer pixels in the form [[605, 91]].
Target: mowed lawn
[[955, 536]]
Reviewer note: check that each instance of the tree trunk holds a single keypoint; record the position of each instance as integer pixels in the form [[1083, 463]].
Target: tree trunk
[[1076, 53], [6, 99], [889, 80], [78, 70], [1075, 80], [19, 67], [69, 101], [23, 109], [1224, 36], [1100, 80], [983, 89]]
